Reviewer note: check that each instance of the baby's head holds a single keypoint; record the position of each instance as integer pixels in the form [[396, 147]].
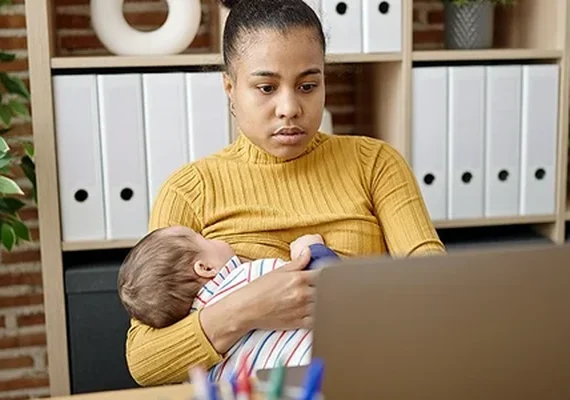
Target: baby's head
[[164, 271]]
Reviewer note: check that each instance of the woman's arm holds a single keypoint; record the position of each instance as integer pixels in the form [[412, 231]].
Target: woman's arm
[[282, 299], [279, 300], [400, 208]]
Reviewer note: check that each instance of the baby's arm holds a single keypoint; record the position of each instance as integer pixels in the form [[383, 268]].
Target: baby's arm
[[303, 242], [317, 247]]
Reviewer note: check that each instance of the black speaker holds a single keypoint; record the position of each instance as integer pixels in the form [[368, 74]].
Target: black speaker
[[97, 325]]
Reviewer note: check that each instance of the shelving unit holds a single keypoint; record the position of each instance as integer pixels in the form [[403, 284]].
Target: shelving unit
[[530, 31]]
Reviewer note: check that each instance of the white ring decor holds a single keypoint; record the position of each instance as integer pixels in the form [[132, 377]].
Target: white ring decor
[[174, 36]]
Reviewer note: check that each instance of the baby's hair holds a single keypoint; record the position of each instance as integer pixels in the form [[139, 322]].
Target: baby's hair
[[250, 16], [156, 282]]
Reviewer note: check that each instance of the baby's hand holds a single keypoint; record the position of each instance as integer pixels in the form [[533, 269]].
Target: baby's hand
[[302, 242]]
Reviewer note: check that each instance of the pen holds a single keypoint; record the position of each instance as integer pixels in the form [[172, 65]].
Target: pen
[[243, 391], [313, 379], [199, 382], [276, 382], [211, 390]]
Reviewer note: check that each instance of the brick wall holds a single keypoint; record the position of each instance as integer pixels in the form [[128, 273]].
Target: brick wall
[[23, 358]]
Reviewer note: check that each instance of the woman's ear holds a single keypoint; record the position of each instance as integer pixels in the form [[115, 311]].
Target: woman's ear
[[228, 85], [204, 269]]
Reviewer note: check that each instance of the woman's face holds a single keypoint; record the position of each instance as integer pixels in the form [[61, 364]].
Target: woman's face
[[277, 89]]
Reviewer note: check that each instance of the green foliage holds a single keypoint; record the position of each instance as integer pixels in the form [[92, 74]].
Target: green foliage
[[464, 2], [14, 100]]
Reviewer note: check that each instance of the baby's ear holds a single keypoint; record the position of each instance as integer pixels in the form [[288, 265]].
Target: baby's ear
[[204, 269]]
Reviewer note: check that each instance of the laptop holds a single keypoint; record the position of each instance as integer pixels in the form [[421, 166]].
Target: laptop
[[469, 325]]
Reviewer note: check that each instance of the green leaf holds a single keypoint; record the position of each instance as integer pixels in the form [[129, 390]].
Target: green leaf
[[11, 205], [3, 146], [14, 85], [5, 114], [21, 230], [5, 2], [8, 186], [29, 149], [18, 108], [8, 236], [29, 169], [7, 57], [5, 161]]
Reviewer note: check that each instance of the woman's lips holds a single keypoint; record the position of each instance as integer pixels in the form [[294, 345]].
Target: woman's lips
[[289, 135]]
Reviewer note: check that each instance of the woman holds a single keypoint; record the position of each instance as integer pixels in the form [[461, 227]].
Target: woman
[[279, 180]]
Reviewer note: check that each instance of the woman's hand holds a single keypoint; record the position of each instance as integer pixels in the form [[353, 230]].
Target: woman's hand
[[282, 299]]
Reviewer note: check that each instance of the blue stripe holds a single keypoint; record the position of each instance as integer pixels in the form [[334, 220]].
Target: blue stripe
[[261, 348], [306, 350], [233, 350], [228, 282], [205, 287], [262, 266], [285, 345]]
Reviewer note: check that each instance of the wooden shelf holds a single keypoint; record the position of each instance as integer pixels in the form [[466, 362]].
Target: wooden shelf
[[178, 60], [363, 58], [486, 55], [477, 222], [76, 62], [98, 245]]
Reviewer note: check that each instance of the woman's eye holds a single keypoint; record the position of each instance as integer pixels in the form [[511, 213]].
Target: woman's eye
[[266, 89], [307, 87]]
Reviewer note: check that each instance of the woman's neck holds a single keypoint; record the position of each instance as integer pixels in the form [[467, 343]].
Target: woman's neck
[[245, 149]]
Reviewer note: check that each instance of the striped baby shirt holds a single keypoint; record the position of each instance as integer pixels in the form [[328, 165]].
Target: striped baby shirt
[[263, 348]]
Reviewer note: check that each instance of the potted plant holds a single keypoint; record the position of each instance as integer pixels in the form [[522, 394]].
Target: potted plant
[[469, 24], [14, 98]]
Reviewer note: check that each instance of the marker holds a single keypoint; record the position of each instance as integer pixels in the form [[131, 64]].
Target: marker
[[200, 384], [313, 379], [276, 382], [243, 385], [211, 390]]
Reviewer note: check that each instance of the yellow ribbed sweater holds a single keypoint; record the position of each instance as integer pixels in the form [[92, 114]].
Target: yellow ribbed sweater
[[357, 192]]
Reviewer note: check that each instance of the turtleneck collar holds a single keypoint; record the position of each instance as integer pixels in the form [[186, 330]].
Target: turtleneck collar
[[246, 150]]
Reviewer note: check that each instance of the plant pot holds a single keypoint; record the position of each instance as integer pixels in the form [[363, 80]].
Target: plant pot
[[469, 26]]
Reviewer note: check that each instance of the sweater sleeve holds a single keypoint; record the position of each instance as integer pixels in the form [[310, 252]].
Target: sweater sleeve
[[399, 206], [160, 356]]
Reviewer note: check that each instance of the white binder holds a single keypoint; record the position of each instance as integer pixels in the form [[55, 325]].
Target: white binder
[[124, 164], [539, 132], [381, 26], [466, 141], [79, 157], [502, 140], [208, 114], [166, 127], [342, 25], [429, 137]]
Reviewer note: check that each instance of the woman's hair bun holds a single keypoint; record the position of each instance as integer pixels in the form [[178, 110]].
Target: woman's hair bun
[[229, 3]]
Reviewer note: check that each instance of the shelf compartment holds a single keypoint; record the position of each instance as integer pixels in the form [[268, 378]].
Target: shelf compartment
[[496, 221], [98, 245], [486, 55]]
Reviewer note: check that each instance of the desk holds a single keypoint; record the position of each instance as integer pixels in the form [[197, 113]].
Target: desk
[[167, 392]]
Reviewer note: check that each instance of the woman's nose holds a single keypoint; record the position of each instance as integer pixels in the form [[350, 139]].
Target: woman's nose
[[288, 107]]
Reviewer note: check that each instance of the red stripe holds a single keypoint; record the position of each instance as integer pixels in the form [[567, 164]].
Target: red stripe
[[273, 348], [200, 299], [226, 289], [274, 264], [296, 347]]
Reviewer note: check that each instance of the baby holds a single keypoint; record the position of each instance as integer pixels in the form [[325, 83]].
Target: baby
[[174, 271]]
